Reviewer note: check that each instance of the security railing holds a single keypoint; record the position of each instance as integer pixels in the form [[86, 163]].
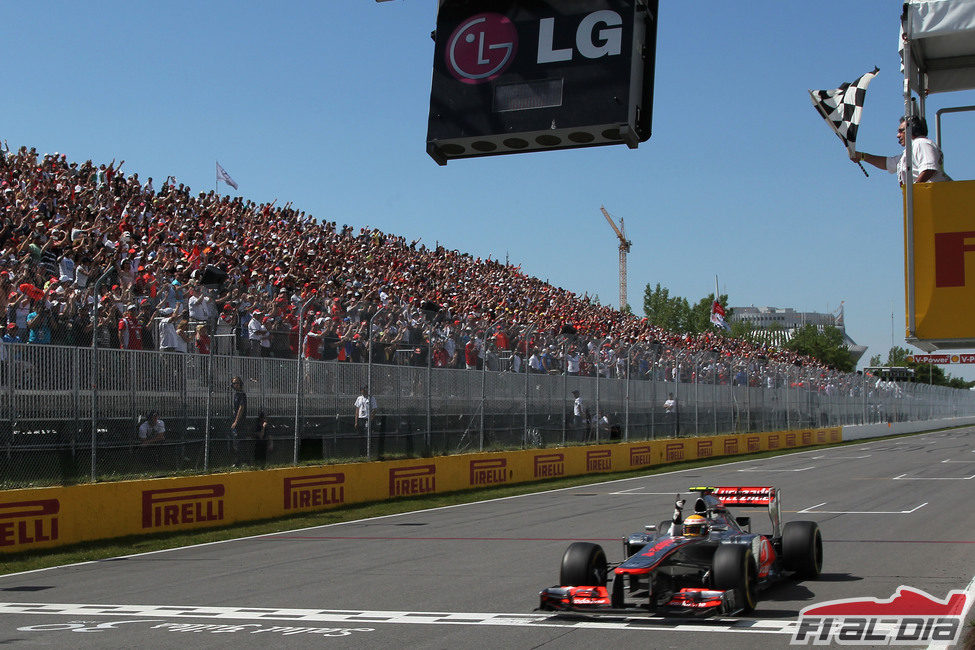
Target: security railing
[[72, 414]]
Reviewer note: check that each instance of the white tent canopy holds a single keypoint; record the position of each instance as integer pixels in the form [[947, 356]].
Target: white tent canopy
[[942, 37]]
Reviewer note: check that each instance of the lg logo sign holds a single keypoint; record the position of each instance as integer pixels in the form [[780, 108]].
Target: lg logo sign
[[604, 26], [482, 47]]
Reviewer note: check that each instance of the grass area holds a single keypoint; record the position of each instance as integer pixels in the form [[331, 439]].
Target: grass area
[[100, 550]]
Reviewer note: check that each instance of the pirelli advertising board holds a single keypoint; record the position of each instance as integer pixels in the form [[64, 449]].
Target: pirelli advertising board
[[511, 76], [943, 269], [48, 517]]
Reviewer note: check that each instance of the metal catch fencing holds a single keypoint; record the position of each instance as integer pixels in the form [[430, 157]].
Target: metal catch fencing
[[72, 414]]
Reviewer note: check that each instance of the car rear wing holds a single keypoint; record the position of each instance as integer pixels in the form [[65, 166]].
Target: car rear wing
[[747, 497]]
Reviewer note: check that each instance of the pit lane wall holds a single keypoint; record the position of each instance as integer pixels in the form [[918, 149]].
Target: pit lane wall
[[49, 517]]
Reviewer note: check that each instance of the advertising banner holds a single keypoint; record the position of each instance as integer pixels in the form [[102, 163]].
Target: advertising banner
[[55, 516], [943, 271]]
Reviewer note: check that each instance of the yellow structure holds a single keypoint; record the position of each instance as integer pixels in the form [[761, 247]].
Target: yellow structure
[[943, 270], [56, 516]]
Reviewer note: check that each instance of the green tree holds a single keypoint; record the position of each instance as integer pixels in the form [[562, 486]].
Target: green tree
[[826, 345], [897, 356], [656, 304], [676, 314], [662, 310]]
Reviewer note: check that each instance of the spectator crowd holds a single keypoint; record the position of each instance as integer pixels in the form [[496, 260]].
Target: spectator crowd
[[167, 269]]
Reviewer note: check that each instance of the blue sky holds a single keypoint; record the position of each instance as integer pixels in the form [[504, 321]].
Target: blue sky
[[325, 104]]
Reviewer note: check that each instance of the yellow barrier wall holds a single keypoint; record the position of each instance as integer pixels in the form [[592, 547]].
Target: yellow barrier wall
[[49, 517], [944, 273]]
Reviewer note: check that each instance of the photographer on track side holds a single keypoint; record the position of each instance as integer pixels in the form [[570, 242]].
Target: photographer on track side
[[365, 412], [152, 430]]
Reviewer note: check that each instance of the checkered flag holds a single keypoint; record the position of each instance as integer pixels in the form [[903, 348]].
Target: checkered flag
[[841, 108]]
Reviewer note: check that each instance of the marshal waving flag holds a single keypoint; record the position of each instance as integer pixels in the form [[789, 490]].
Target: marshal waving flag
[[842, 109], [222, 175]]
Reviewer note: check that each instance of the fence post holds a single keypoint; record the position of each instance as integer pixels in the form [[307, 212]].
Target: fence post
[[480, 442], [209, 401], [184, 399], [528, 333], [748, 398], [653, 390], [697, 398], [626, 396], [300, 378], [565, 393], [714, 395], [94, 371], [594, 426], [427, 437], [369, 383]]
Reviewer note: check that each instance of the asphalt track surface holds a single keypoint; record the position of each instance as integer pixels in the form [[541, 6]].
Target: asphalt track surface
[[894, 512]]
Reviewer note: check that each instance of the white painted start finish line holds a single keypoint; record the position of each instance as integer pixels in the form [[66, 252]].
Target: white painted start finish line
[[361, 617]]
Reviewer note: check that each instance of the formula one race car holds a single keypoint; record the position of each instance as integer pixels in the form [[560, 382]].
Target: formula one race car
[[708, 563]]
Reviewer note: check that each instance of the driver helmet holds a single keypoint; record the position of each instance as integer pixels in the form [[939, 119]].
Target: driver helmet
[[695, 526]]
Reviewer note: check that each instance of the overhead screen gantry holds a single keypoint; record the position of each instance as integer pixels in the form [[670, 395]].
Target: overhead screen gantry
[[512, 76], [938, 51]]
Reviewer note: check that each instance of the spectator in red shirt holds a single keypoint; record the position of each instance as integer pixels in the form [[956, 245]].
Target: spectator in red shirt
[[130, 330], [202, 339], [470, 354]]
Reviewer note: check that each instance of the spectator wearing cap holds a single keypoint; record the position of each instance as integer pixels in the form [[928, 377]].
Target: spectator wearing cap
[[201, 305], [10, 333], [169, 338], [257, 334], [130, 329], [39, 323], [471, 357]]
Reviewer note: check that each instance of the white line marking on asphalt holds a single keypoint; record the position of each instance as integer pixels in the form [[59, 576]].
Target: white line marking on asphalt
[[810, 508], [949, 460], [905, 477], [762, 469], [840, 457], [359, 617], [859, 512]]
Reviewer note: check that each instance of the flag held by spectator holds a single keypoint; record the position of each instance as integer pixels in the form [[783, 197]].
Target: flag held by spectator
[[222, 175], [717, 316], [842, 109]]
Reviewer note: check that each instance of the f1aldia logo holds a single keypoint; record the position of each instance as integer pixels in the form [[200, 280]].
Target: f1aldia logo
[[910, 616], [481, 48]]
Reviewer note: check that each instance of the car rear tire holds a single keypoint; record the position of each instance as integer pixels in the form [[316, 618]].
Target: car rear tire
[[583, 565], [802, 548], [734, 568]]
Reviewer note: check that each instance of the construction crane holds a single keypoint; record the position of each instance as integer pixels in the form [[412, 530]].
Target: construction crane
[[624, 249]]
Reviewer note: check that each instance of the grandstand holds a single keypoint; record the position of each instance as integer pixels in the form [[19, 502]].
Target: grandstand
[[121, 298], [67, 222]]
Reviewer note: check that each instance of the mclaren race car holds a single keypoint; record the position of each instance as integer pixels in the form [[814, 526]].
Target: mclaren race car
[[707, 563]]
